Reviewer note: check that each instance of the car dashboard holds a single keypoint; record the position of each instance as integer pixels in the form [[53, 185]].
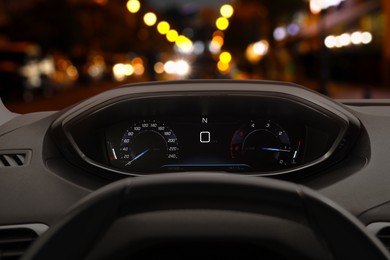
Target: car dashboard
[[263, 133], [51, 160]]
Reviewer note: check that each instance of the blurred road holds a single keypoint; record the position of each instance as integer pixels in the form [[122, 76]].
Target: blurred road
[[78, 93]]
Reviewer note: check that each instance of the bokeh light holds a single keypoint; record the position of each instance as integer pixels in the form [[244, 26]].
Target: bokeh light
[[159, 67], [172, 35], [119, 71], [128, 69], [366, 37], [139, 69], [315, 6], [280, 33], [222, 23], [218, 41], [163, 27], [170, 67], [346, 39], [293, 29], [137, 60], [226, 11], [356, 38], [223, 67], [256, 51], [198, 47], [330, 41], [184, 44], [225, 57], [150, 19], [133, 6], [261, 47], [182, 68]]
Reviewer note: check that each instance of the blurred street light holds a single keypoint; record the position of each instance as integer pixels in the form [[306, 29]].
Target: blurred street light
[[223, 67], [119, 71], [222, 23], [172, 35], [150, 19], [163, 27], [133, 6], [184, 44], [256, 51], [227, 11], [180, 68], [225, 57], [280, 33], [346, 39], [159, 67], [316, 6]]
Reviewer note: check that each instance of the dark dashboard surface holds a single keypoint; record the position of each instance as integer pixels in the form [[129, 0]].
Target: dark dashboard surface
[[251, 128]]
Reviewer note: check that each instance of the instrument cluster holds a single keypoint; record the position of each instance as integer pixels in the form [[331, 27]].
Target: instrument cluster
[[198, 143], [254, 128]]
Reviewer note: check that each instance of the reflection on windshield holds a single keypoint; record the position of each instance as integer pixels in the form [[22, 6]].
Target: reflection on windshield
[[74, 49]]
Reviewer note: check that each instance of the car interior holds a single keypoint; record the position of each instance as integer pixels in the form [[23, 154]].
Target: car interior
[[194, 153], [215, 168]]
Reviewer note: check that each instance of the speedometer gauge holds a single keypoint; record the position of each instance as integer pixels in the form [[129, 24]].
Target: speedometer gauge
[[147, 145]]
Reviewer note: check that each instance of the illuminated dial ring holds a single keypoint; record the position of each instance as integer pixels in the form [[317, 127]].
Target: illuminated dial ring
[[262, 144], [147, 145]]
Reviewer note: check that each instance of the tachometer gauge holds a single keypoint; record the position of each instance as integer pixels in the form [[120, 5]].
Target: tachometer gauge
[[262, 144], [147, 145]]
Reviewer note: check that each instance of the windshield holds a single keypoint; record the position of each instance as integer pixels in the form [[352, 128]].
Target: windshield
[[55, 53]]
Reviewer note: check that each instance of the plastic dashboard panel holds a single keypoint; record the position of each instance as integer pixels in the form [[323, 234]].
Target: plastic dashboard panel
[[325, 129]]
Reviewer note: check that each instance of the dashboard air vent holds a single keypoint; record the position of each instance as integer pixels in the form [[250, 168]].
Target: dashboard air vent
[[14, 158], [15, 241]]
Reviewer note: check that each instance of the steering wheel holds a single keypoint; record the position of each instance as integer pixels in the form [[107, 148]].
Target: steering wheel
[[207, 216]]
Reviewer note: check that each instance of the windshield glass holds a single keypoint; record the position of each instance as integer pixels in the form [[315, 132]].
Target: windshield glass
[[55, 53]]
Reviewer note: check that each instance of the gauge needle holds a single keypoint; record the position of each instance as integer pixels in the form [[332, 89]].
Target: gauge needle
[[137, 157], [274, 149]]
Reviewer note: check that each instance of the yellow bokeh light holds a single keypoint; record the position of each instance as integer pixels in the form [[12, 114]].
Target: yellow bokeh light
[[181, 40], [185, 45], [223, 67], [150, 19], [163, 27], [225, 57], [133, 6], [172, 35], [222, 23], [226, 11]]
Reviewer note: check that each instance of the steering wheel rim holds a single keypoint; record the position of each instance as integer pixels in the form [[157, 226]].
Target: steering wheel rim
[[134, 216]]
